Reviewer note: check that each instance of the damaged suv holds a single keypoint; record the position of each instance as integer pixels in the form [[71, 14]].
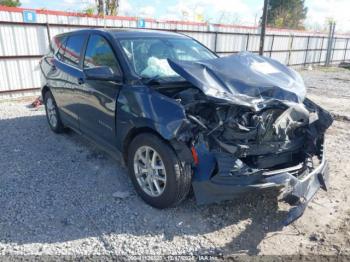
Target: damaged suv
[[182, 117]]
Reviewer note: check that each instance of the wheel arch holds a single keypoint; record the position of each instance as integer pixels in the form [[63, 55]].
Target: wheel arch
[[44, 90], [132, 134], [182, 151]]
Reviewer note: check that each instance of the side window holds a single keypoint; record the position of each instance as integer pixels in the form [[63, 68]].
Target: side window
[[61, 46], [56, 43], [99, 53], [73, 49]]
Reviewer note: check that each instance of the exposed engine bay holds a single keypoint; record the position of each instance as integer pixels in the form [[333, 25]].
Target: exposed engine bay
[[278, 136]]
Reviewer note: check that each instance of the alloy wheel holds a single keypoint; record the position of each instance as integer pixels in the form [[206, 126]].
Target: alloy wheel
[[51, 112], [150, 171]]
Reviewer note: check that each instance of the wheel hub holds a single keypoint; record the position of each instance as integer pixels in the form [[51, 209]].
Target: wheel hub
[[150, 171]]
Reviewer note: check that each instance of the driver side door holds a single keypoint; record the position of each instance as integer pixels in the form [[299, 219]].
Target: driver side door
[[97, 97]]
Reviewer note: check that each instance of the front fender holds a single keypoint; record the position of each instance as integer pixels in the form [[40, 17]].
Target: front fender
[[142, 107]]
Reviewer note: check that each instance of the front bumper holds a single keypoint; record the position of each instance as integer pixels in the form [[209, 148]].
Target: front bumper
[[301, 189]]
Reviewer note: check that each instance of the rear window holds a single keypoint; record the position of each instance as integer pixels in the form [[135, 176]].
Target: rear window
[[72, 50]]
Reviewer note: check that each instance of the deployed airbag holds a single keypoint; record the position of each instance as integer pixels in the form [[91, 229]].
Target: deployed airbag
[[157, 67]]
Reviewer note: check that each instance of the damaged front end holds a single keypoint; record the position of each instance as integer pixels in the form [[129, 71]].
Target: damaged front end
[[251, 128], [280, 147]]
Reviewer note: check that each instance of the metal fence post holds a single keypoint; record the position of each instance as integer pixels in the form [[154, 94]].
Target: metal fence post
[[48, 31], [215, 41], [263, 28], [330, 43], [271, 49], [307, 50], [333, 49], [247, 44], [319, 60], [346, 49], [290, 50]]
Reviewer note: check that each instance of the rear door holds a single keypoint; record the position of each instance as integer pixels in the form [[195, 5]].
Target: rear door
[[47, 62], [51, 67], [68, 64], [97, 98]]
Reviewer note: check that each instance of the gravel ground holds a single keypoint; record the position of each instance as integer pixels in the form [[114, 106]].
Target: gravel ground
[[60, 195]]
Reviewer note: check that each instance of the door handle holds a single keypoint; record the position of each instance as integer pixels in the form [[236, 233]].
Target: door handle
[[81, 81]]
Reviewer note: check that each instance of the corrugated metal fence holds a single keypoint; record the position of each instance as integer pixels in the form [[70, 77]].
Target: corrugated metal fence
[[22, 44]]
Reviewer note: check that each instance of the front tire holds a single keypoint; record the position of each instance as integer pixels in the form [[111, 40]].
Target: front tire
[[157, 174], [52, 114]]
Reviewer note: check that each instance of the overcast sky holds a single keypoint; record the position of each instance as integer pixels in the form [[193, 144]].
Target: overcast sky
[[245, 12]]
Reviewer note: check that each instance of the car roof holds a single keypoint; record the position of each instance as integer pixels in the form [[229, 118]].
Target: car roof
[[129, 32]]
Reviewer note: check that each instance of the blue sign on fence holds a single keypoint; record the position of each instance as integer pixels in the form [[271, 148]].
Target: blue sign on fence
[[29, 16], [141, 23]]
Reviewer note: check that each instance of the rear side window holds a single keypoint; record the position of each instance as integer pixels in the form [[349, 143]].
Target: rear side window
[[56, 43], [73, 49], [61, 45], [100, 53]]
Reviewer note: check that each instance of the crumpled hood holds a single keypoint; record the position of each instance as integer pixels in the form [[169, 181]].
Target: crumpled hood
[[244, 79]]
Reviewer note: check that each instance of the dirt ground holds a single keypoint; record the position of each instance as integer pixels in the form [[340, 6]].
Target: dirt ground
[[59, 196]]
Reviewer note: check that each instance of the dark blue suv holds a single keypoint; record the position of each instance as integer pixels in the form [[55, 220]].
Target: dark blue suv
[[180, 116]]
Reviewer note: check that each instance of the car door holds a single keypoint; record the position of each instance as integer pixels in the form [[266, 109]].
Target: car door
[[57, 75], [97, 98], [69, 67], [48, 68]]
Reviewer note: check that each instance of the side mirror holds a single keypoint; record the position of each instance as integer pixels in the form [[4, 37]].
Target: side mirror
[[104, 73]]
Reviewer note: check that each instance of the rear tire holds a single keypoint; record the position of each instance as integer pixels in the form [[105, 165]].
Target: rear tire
[[52, 114], [158, 176]]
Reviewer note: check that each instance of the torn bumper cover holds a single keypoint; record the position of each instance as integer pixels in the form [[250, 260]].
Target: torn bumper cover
[[226, 185]]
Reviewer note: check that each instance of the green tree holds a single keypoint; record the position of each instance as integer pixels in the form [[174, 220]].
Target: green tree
[[89, 10], [287, 13], [13, 3]]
